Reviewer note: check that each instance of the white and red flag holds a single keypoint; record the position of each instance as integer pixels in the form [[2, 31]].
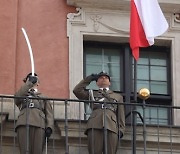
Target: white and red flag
[[147, 22]]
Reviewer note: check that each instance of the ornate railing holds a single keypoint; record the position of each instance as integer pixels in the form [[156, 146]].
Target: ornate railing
[[149, 128]]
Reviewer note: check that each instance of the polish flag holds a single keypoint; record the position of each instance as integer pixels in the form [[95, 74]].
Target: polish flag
[[147, 22]]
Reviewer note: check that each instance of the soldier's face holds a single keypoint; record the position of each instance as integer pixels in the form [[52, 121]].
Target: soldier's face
[[35, 87], [103, 82]]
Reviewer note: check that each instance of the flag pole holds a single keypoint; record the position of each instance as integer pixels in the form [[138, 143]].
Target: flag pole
[[134, 107], [135, 80]]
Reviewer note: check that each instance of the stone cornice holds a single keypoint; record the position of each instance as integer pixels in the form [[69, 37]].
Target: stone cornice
[[172, 6]]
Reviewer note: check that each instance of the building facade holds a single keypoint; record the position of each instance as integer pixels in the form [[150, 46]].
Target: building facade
[[74, 38]]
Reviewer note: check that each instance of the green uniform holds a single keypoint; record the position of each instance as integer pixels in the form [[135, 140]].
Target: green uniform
[[35, 115], [112, 118]]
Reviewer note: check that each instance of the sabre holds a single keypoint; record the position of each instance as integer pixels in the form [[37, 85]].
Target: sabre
[[30, 50]]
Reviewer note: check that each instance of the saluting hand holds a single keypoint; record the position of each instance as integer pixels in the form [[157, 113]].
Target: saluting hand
[[94, 77]]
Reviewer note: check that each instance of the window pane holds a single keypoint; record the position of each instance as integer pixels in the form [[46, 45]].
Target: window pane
[[93, 55], [142, 84], [158, 87], [109, 57], [158, 58], [142, 72], [158, 73], [143, 59], [154, 115], [152, 71], [92, 67], [115, 84]]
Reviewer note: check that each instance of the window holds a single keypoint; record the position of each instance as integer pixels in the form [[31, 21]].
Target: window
[[153, 69]]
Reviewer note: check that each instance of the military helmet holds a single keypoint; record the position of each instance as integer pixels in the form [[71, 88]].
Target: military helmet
[[103, 73], [25, 79]]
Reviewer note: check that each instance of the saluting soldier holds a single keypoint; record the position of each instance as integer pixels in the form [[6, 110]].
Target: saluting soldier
[[106, 117], [35, 121]]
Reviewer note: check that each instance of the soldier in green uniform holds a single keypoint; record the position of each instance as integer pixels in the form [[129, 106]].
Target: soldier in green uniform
[[106, 117], [35, 121]]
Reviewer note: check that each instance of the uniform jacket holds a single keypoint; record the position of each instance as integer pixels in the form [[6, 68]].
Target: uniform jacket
[[33, 116], [115, 120]]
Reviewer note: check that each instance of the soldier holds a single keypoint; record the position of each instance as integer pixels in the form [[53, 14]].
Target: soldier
[[106, 121], [35, 121]]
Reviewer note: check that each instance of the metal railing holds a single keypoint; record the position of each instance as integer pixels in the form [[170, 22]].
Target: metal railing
[[149, 128]]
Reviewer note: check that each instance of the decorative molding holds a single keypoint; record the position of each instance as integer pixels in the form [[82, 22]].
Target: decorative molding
[[75, 16], [114, 29], [97, 20], [175, 22], [177, 17]]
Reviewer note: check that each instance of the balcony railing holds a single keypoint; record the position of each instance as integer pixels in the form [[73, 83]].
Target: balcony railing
[[149, 128]]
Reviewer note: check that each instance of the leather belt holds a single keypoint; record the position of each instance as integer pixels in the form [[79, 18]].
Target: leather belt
[[31, 105]]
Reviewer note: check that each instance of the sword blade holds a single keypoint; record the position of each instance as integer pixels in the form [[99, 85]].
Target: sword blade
[[30, 50]]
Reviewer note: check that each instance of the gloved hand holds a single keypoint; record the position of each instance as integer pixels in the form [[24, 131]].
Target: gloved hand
[[48, 132], [33, 79], [94, 77]]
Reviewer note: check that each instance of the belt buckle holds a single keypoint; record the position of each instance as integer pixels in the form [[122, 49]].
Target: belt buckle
[[31, 105]]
